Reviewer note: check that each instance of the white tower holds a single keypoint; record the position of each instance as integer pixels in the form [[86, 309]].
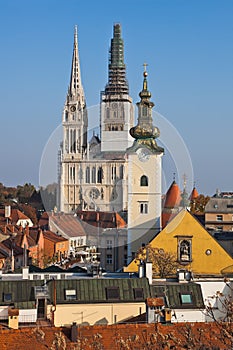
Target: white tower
[[144, 177], [74, 146]]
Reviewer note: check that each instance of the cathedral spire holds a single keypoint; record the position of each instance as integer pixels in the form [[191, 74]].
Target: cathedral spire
[[75, 87], [117, 83]]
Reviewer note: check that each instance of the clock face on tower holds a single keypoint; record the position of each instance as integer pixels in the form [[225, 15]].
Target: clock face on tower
[[143, 154], [73, 108]]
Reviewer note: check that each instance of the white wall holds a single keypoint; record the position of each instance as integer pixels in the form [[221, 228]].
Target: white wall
[[209, 290], [188, 316]]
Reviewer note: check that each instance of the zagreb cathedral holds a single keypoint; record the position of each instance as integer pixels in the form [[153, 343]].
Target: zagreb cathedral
[[120, 170]]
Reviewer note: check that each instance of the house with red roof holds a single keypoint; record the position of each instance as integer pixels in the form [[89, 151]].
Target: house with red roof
[[15, 217]]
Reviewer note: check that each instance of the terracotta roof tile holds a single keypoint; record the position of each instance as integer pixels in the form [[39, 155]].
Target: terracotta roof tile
[[194, 194], [53, 237], [173, 196]]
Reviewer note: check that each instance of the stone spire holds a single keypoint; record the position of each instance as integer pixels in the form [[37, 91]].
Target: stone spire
[[75, 87], [117, 83], [145, 132]]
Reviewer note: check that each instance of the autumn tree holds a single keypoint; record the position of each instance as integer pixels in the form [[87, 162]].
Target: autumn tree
[[163, 263], [25, 192], [198, 204]]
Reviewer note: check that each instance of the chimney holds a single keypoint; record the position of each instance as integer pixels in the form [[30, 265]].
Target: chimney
[[26, 230], [149, 271], [25, 272], [7, 211], [141, 269], [74, 333]]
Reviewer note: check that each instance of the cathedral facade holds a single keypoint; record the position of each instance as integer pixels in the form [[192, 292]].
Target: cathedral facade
[[93, 175], [121, 169]]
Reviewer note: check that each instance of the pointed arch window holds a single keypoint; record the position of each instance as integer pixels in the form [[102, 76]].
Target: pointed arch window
[[88, 175], [121, 172], [144, 180], [93, 175], [100, 175]]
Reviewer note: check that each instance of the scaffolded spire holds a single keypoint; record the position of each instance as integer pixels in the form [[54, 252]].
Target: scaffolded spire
[[117, 83]]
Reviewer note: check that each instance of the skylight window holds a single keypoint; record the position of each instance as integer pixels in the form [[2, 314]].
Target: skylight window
[[186, 298], [7, 297], [113, 293], [138, 293], [70, 294]]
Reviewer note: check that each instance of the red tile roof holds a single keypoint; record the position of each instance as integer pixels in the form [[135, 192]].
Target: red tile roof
[[194, 194], [102, 219], [14, 216], [53, 237], [123, 336], [173, 196]]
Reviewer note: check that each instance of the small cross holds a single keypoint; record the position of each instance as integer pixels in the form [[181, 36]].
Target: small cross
[[145, 65]]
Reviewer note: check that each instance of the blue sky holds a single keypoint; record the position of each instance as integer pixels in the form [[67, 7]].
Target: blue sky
[[188, 45]]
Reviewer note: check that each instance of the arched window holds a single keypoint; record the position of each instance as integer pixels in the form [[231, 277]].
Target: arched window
[[88, 175], [144, 180], [121, 171], [100, 175], [93, 175]]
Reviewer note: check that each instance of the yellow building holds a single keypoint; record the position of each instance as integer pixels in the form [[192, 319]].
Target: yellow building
[[195, 248]]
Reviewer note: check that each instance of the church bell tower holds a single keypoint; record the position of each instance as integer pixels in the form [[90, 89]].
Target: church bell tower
[[74, 145], [144, 176], [116, 110]]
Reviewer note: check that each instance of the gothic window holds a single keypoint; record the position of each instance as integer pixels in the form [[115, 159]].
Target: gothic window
[[67, 141], [93, 175], [108, 113], [121, 171], [185, 250], [144, 180], [71, 140], [114, 172], [143, 207], [100, 175], [74, 141], [88, 175], [102, 193]]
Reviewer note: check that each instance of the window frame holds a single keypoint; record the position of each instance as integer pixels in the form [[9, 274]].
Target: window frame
[[186, 294], [110, 289]]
